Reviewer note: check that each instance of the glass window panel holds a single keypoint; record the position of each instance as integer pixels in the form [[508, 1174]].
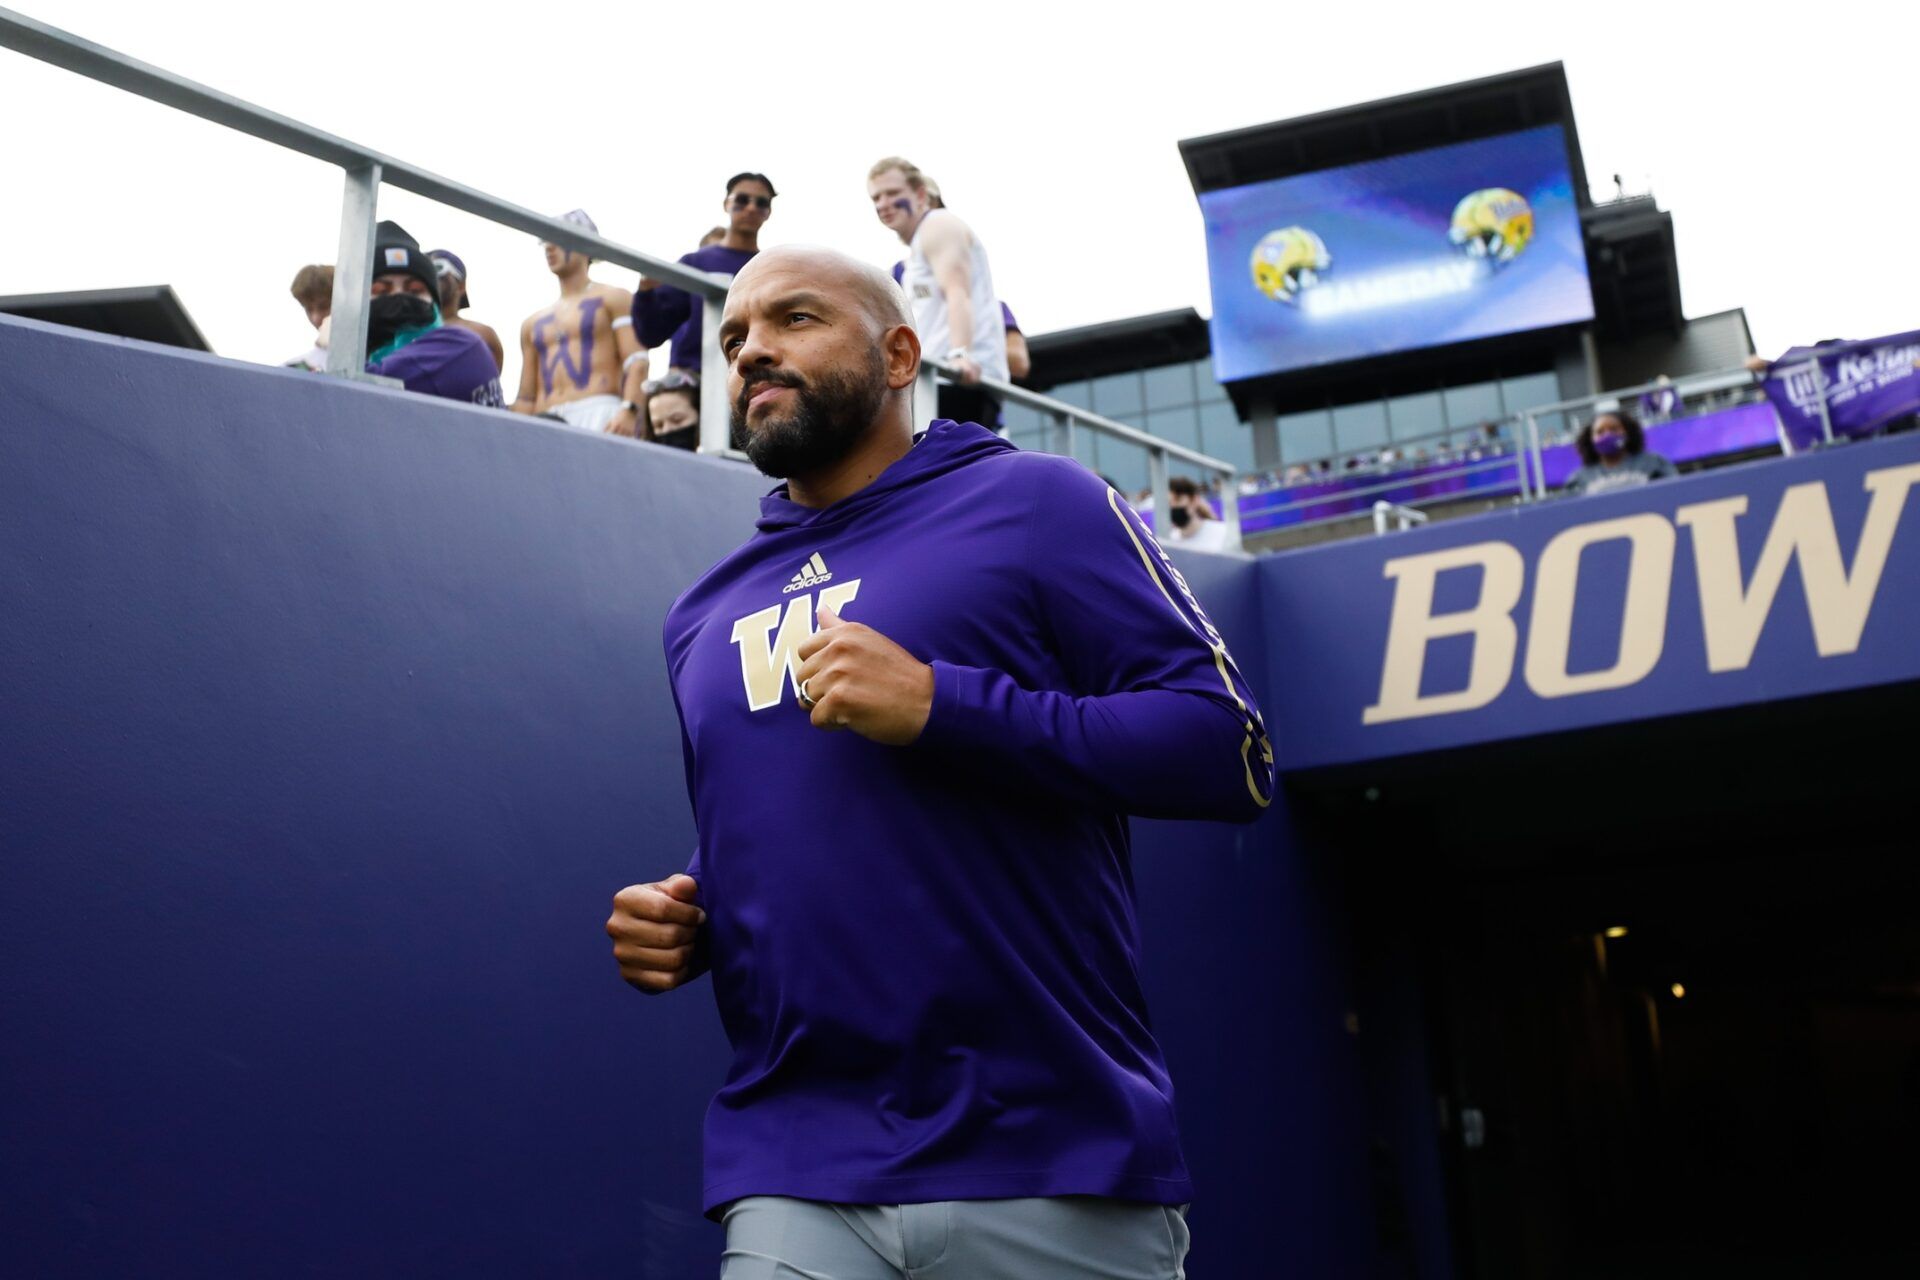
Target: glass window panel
[[1225, 437], [1117, 394], [1473, 404], [1086, 448], [1221, 429], [1204, 383], [1020, 417], [1416, 416], [1360, 426], [1078, 394], [1176, 426], [1125, 465], [1304, 436], [1169, 386], [1523, 393]]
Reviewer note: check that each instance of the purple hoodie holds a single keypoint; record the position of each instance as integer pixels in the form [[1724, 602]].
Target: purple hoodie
[[665, 311], [925, 957]]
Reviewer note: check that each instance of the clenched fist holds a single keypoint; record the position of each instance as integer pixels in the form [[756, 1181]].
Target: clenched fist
[[860, 680], [656, 930]]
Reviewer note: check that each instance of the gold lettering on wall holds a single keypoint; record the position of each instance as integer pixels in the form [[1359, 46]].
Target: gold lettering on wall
[[1733, 612], [1643, 621], [1413, 625]]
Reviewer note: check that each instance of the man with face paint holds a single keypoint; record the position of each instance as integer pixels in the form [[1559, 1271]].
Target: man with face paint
[[661, 311], [950, 285], [917, 707], [579, 361], [406, 338], [453, 300]]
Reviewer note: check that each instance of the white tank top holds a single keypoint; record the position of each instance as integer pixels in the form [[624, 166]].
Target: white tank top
[[987, 343]]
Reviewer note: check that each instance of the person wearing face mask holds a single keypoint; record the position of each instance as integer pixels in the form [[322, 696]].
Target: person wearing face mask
[[1613, 450], [673, 411], [1195, 527], [405, 336]]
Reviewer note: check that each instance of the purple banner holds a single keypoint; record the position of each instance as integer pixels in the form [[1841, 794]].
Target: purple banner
[[1868, 384]]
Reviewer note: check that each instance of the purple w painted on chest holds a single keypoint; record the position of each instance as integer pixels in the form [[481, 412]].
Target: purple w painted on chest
[[557, 351]]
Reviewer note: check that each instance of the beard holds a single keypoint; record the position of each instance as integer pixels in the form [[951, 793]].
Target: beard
[[829, 416]]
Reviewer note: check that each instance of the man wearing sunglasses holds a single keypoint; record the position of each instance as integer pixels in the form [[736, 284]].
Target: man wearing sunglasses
[[662, 312]]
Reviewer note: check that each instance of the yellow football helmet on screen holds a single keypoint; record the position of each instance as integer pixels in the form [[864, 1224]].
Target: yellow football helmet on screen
[[1492, 223], [1287, 261]]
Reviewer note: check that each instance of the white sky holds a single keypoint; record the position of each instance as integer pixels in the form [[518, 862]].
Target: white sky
[[1780, 135]]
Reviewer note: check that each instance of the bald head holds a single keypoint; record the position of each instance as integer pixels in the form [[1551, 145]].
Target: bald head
[[862, 285], [821, 357]]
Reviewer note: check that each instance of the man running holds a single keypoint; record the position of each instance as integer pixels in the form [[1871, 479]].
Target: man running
[[917, 707], [579, 361], [453, 300]]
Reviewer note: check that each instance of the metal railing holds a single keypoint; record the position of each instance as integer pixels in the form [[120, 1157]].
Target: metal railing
[[366, 169], [1519, 449]]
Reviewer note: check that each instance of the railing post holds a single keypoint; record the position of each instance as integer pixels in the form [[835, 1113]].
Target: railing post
[[1820, 399], [1382, 509], [716, 425], [1539, 462], [1520, 465], [353, 273], [1230, 507], [1162, 496], [926, 395]]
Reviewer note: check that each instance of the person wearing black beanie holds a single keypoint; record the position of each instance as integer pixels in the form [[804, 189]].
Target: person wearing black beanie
[[405, 336]]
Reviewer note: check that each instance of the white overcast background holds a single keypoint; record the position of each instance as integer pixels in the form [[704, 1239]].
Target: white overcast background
[[1780, 136]]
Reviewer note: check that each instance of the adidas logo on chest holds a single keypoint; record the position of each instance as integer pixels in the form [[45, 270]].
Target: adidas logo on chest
[[812, 574]]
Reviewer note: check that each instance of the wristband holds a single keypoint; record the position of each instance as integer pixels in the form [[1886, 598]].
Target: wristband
[[628, 406], [958, 353], [620, 322], [628, 363]]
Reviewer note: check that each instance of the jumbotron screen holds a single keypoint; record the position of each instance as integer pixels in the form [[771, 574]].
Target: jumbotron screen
[[1417, 250]]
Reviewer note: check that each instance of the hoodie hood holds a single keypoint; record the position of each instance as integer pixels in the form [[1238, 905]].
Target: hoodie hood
[[945, 446]]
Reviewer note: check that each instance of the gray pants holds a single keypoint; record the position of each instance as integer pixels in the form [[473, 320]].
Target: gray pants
[[1062, 1238]]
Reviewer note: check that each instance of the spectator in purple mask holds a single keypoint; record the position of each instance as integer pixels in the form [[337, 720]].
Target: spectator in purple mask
[[1614, 451], [453, 300], [406, 338], [662, 312]]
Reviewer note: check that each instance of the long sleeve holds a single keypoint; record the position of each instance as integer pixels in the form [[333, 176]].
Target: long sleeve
[[658, 312], [1156, 720]]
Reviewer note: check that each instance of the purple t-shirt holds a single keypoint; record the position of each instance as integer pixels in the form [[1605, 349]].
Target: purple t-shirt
[[925, 957], [449, 361], [665, 312]]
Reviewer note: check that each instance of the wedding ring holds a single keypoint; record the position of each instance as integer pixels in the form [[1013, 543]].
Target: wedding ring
[[806, 699]]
